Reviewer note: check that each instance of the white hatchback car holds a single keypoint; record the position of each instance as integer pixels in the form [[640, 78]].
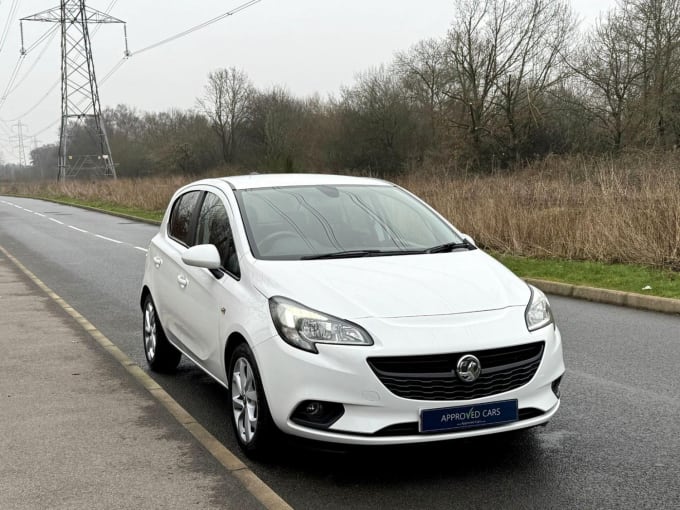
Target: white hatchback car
[[347, 310]]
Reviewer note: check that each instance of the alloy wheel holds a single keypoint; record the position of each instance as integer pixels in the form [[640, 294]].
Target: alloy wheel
[[150, 335], [244, 400]]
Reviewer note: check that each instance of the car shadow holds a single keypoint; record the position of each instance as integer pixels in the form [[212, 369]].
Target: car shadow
[[461, 458]]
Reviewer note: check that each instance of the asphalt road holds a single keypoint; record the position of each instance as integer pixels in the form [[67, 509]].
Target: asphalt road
[[615, 443]]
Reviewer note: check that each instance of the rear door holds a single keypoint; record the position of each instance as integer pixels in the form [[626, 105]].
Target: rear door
[[168, 272]]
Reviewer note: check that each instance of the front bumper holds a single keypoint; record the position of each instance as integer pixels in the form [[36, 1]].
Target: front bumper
[[375, 416]]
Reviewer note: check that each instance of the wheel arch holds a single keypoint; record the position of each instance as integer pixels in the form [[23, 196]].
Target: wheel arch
[[145, 292], [233, 341]]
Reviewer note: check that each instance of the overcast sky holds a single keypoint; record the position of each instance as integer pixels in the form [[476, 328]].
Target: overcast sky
[[308, 46]]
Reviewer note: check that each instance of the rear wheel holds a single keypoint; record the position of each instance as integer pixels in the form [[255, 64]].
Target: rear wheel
[[250, 416], [161, 355]]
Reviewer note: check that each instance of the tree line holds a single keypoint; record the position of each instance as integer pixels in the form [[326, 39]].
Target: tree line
[[511, 82]]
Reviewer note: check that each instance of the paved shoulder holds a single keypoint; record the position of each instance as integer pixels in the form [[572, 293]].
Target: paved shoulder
[[76, 431]]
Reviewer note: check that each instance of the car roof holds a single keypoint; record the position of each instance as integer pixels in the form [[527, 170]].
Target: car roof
[[279, 180]]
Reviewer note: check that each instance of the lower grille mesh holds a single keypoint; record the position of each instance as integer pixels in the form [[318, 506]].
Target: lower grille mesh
[[434, 377]]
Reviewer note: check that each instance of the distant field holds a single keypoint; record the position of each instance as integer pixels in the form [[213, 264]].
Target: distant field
[[614, 211]]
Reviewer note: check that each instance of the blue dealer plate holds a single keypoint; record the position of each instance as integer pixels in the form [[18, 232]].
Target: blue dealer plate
[[468, 417]]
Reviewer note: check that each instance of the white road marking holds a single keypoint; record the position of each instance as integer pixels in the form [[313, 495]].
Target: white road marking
[[108, 239], [116, 241]]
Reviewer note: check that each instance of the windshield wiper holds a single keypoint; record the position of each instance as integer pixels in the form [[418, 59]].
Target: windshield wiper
[[359, 253], [464, 245]]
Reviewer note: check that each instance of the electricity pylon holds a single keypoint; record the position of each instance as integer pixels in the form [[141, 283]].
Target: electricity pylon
[[80, 106], [19, 141]]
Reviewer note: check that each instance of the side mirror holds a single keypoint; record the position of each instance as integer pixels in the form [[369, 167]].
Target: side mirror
[[469, 239], [202, 255]]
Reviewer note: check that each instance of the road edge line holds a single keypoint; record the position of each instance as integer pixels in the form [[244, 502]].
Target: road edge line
[[122, 215], [240, 471]]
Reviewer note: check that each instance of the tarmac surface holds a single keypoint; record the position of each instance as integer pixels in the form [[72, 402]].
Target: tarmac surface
[[76, 431]]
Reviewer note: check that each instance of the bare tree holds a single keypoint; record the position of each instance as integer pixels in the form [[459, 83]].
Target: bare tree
[[536, 67], [501, 53], [226, 103], [426, 79], [378, 121], [654, 28], [277, 130], [610, 69]]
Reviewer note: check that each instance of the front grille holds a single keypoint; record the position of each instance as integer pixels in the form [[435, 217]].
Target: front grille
[[434, 377]]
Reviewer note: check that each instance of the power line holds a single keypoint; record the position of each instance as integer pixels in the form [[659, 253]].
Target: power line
[[11, 86], [13, 77], [107, 11], [51, 89], [113, 70], [6, 127], [198, 27], [10, 16], [188, 31], [48, 127], [52, 32]]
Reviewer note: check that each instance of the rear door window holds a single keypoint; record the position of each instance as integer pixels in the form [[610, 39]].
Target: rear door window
[[181, 217]]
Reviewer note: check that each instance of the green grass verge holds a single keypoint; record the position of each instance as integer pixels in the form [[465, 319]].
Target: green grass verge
[[625, 277], [105, 206], [129, 211]]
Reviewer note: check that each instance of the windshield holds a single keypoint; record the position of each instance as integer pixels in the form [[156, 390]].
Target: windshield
[[288, 223]]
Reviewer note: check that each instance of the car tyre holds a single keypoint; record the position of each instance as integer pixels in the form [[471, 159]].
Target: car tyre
[[160, 354], [250, 417]]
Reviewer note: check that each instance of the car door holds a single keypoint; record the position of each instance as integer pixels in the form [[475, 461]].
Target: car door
[[210, 293], [168, 272]]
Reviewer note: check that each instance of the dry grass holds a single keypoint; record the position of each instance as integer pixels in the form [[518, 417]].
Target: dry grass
[[625, 210], [147, 194], [612, 210]]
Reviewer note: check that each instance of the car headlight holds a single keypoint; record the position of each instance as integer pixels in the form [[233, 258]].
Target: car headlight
[[303, 327], [538, 313]]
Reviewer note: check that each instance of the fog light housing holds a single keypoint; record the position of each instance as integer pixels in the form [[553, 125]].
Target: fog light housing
[[556, 386], [317, 414]]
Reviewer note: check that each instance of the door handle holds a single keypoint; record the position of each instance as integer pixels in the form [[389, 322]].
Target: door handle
[[157, 261], [182, 280]]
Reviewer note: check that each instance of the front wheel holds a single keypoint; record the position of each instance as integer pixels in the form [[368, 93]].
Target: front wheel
[[161, 355], [250, 416]]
